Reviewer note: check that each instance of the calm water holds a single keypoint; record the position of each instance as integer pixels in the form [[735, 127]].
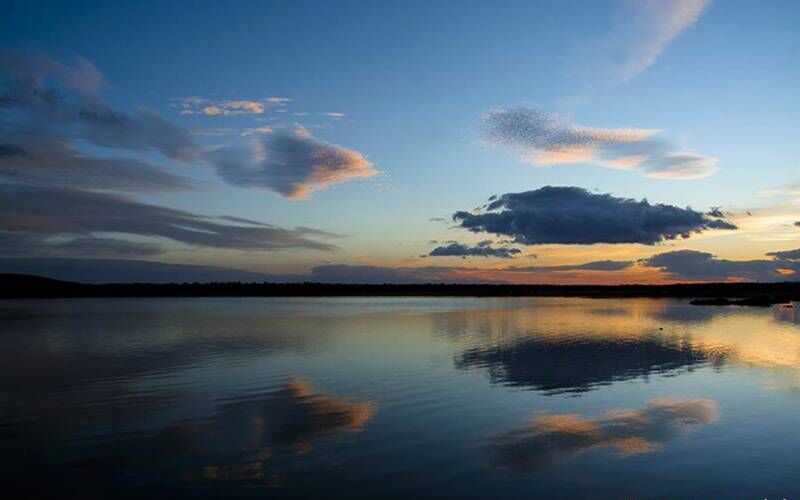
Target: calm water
[[406, 398]]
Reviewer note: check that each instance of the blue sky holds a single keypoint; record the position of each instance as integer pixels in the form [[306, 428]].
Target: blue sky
[[414, 82]]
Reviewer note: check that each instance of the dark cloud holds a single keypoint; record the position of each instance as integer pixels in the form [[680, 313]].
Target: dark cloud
[[38, 245], [691, 264], [47, 108], [33, 69], [572, 215], [548, 439], [598, 265], [145, 129], [482, 249], [42, 160], [292, 163], [797, 223], [548, 139], [66, 212], [116, 270], [791, 255]]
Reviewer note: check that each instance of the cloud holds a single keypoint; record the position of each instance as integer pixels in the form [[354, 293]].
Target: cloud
[[42, 160], [691, 264], [143, 130], [480, 250], [797, 223], [48, 110], [645, 30], [597, 265], [42, 96], [292, 163], [548, 139], [41, 245], [256, 131], [572, 215], [70, 213], [548, 439], [790, 255], [28, 72], [788, 190], [226, 107], [334, 114], [108, 267]]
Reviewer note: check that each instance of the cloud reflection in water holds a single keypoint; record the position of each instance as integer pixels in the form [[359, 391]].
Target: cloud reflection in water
[[548, 439]]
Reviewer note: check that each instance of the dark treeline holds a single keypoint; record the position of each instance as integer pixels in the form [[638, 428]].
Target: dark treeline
[[25, 286]]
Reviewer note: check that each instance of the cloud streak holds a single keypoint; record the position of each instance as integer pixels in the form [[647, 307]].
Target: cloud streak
[[547, 139], [694, 265], [71, 214], [572, 215], [597, 265], [226, 107], [649, 27]]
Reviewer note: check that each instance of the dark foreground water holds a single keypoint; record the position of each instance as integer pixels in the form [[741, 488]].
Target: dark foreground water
[[404, 398]]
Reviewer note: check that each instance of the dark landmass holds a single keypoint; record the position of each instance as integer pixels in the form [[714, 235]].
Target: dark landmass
[[27, 286]]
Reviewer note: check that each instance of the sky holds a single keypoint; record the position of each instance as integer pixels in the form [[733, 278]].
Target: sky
[[609, 142]]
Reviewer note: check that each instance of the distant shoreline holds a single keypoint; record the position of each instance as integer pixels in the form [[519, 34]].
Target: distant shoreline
[[17, 286]]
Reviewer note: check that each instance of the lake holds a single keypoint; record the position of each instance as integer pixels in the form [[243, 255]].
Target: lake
[[399, 398]]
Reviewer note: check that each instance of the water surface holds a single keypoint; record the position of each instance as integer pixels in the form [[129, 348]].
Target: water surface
[[399, 397]]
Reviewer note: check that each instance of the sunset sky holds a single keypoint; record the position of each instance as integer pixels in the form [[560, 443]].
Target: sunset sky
[[344, 141]]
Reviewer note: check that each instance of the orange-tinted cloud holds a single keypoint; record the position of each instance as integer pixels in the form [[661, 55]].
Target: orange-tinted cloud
[[548, 139], [292, 163]]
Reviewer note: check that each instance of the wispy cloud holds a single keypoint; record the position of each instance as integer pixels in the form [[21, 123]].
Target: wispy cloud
[[789, 191], [548, 139], [195, 105], [646, 27], [66, 214]]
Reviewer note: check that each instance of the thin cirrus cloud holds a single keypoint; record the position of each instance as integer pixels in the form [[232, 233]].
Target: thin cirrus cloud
[[226, 107], [640, 33], [573, 215], [547, 139], [597, 265], [291, 162], [55, 215], [645, 29]]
